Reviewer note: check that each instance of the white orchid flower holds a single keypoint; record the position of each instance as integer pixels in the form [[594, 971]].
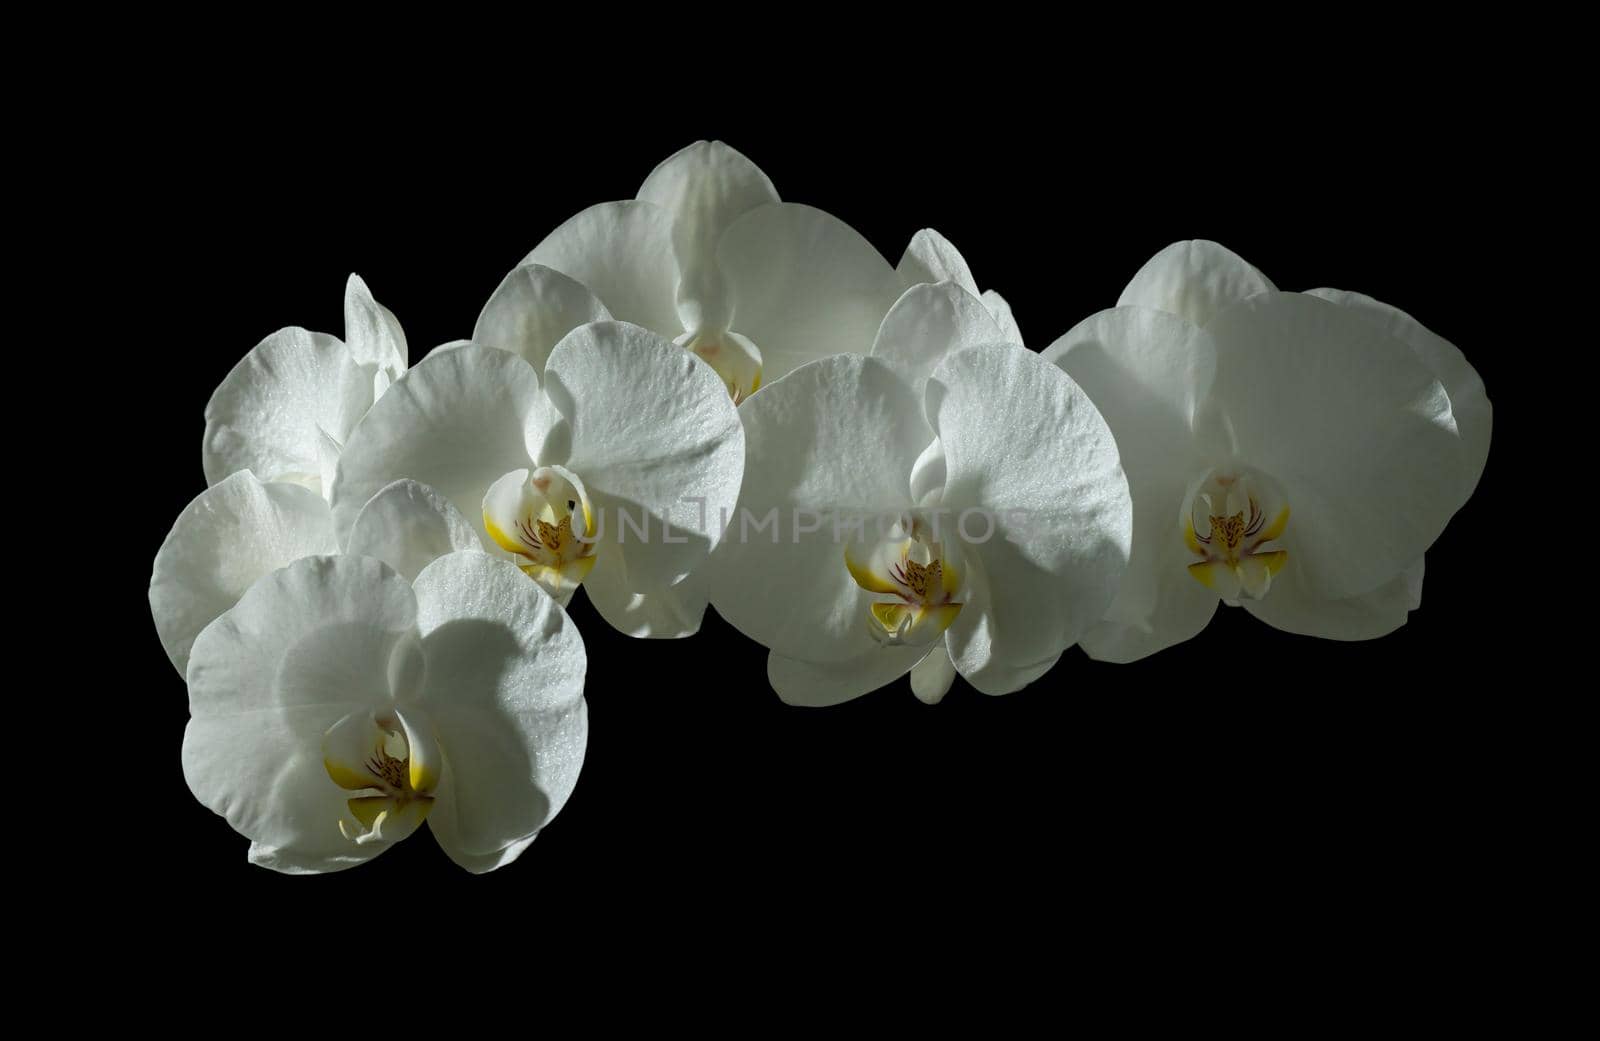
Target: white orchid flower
[[1286, 453], [979, 526], [285, 411], [608, 472], [708, 257], [242, 529], [932, 258], [337, 706]]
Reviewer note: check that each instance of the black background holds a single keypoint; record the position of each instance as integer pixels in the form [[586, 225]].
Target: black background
[[1247, 774]]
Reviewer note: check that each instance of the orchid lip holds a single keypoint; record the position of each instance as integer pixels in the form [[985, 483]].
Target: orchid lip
[[544, 518], [391, 767], [922, 583], [1232, 520]]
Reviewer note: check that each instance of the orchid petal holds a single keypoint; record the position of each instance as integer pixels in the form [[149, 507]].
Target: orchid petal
[[930, 321], [805, 285], [1293, 607], [533, 308], [372, 334], [1196, 279], [622, 251], [817, 685], [233, 533], [1029, 456], [504, 689], [930, 257], [271, 413], [408, 525], [1469, 401], [655, 436]]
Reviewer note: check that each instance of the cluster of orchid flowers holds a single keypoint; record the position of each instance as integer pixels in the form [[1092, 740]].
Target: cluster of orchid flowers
[[705, 395]]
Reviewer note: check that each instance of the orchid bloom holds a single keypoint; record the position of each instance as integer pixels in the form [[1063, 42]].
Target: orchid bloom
[[708, 257], [978, 525], [285, 411], [607, 471], [337, 706], [1291, 453]]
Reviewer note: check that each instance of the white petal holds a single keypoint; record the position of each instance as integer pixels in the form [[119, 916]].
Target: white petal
[[655, 435], [1293, 607], [532, 310], [1142, 362], [1469, 401], [505, 691], [928, 475], [705, 187], [270, 414], [372, 334], [230, 535], [1351, 423], [1001, 312], [1024, 445], [291, 862], [805, 285], [622, 251], [933, 675], [1195, 279], [1180, 607], [996, 678], [456, 422], [263, 772], [409, 525], [451, 345], [817, 685], [930, 257], [323, 630], [1001, 640], [834, 438], [304, 647], [480, 865], [663, 613], [930, 321], [1146, 371]]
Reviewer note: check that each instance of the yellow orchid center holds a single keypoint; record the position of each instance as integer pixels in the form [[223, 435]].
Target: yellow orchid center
[[391, 767], [543, 518], [1231, 521], [921, 585]]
